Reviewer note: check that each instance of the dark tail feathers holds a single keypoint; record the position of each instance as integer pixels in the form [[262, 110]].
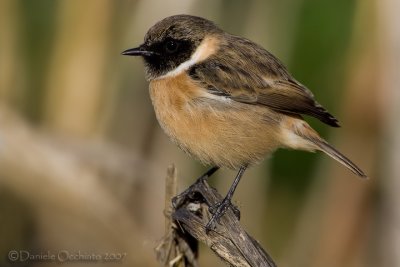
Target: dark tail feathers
[[333, 153]]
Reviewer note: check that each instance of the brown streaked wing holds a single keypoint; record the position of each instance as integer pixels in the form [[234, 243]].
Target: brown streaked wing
[[247, 73], [286, 96]]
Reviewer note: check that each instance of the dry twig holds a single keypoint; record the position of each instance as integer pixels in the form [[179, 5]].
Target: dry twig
[[189, 217]]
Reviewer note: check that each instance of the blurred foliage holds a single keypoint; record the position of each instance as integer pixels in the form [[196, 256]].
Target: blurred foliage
[[318, 61], [35, 43]]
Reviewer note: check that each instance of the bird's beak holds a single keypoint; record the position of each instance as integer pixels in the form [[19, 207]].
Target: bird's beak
[[138, 51]]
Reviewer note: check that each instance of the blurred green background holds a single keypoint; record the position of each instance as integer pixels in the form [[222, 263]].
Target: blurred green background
[[83, 160]]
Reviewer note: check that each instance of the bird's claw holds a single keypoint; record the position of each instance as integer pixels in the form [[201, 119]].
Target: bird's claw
[[218, 210]]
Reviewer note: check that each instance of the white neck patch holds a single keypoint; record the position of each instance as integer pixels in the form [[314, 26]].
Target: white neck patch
[[206, 48]]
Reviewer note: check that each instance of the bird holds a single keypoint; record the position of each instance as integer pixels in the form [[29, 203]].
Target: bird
[[227, 101]]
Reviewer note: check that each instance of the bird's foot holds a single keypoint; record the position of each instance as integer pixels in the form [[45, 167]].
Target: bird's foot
[[218, 210], [188, 193]]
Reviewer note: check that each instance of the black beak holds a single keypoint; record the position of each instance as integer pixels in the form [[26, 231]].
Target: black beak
[[138, 51]]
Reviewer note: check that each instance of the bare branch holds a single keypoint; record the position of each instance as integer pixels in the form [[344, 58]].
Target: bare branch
[[229, 240]]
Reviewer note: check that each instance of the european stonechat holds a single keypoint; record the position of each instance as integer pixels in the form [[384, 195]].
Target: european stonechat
[[225, 100]]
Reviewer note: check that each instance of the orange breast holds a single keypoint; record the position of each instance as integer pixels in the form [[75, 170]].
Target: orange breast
[[216, 131]]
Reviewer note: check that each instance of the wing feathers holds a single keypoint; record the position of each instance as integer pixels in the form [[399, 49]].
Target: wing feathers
[[288, 97], [247, 73]]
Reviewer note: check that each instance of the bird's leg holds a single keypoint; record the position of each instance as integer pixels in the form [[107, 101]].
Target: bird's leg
[[207, 174], [219, 209], [176, 199]]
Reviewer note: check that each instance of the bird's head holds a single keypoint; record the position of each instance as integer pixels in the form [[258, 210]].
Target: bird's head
[[171, 42]]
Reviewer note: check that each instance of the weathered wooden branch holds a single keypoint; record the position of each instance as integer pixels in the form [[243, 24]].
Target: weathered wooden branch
[[189, 216]]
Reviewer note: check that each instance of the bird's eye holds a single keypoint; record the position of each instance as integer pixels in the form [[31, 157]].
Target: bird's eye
[[171, 46]]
